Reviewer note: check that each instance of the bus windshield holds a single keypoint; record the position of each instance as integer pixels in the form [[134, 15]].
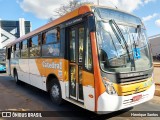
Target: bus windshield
[[122, 47]]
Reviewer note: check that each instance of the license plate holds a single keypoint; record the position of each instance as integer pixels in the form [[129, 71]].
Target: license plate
[[136, 98]]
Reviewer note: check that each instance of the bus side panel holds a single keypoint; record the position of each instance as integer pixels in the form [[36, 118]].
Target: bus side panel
[[58, 67], [88, 90], [34, 74], [17, 66], [23, 74], [99, 86], [12, 66]]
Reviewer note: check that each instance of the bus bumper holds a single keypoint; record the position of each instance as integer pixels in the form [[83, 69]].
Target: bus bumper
[[110, 103]]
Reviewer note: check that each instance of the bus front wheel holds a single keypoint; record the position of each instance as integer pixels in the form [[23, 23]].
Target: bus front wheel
[[55, 92]]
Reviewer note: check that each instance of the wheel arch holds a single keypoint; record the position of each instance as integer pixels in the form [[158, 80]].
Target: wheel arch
[[51, 77]]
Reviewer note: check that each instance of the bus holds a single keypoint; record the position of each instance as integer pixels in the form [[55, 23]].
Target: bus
[[96, 57]]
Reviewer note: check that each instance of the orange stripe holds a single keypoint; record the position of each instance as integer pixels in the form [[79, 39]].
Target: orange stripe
[[99, 86], [45, 71], [87, 79]]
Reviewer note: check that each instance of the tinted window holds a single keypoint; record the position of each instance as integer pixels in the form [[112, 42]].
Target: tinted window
[[34, 41], [17, 46], [81, 39], [88, 55], [72, 38], [51, 43], [24, 44], [51, 50], [24, 51], [34, 44], [12, 51], [17, 50], [51, 36]]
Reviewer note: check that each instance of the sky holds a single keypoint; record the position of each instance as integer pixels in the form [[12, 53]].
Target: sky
[[39, 11]]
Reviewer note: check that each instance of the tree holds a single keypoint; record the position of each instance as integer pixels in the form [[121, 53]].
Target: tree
[[70, 6]]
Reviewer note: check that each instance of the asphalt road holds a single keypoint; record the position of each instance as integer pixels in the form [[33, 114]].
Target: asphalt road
[[27, 98]]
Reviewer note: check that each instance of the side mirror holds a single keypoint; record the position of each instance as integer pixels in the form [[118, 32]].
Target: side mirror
[[91, 24]]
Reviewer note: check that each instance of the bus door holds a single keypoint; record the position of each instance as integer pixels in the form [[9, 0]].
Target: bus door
[[76, 40]]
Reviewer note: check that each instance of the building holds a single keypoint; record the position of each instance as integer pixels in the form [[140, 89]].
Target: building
[[155, 45], [10, 30]]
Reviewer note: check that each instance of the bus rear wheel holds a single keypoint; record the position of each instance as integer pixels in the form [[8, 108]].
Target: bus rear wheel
[[55, 92]]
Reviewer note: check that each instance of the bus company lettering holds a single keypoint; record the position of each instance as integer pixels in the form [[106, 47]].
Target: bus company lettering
[[52, 65]]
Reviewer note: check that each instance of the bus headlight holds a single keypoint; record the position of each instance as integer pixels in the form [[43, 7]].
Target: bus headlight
[[109, 88]]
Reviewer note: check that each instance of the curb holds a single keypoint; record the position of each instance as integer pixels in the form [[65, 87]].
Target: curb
[[158, 84], [156, 64]]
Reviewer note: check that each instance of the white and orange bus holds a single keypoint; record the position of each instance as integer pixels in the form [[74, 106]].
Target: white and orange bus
[[95, 57]]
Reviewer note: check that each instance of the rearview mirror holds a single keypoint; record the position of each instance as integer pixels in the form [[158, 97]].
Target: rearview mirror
[[138, 30]]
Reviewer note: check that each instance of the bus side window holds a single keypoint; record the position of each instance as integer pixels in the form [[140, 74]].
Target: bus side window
[[39, 40], [44, 38], [12, 51], [88, 54], [58, 33], [51, 43], [34, 47], [24, 50], [17, 50]]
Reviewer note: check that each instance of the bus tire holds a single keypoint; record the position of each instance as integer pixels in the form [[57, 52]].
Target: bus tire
[[16, 77], [55, 92]]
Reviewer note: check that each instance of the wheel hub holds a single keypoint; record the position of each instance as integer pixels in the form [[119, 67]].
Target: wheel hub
[[55, 91]]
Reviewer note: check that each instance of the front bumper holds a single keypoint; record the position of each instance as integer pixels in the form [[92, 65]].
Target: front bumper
[[110, 103]]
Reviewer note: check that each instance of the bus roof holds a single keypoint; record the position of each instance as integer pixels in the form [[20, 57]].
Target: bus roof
[[81, 10]]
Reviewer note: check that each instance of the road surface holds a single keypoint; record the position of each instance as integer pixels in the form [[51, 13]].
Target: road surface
[[27, 98]]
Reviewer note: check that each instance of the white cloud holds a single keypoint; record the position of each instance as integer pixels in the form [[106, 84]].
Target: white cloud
[[147, 1], [126, 5], [157, 22], [149, 17], [44, 9]]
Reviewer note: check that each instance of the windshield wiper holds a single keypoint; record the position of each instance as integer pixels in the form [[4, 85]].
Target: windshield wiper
[[116, 34], [112, 22]]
